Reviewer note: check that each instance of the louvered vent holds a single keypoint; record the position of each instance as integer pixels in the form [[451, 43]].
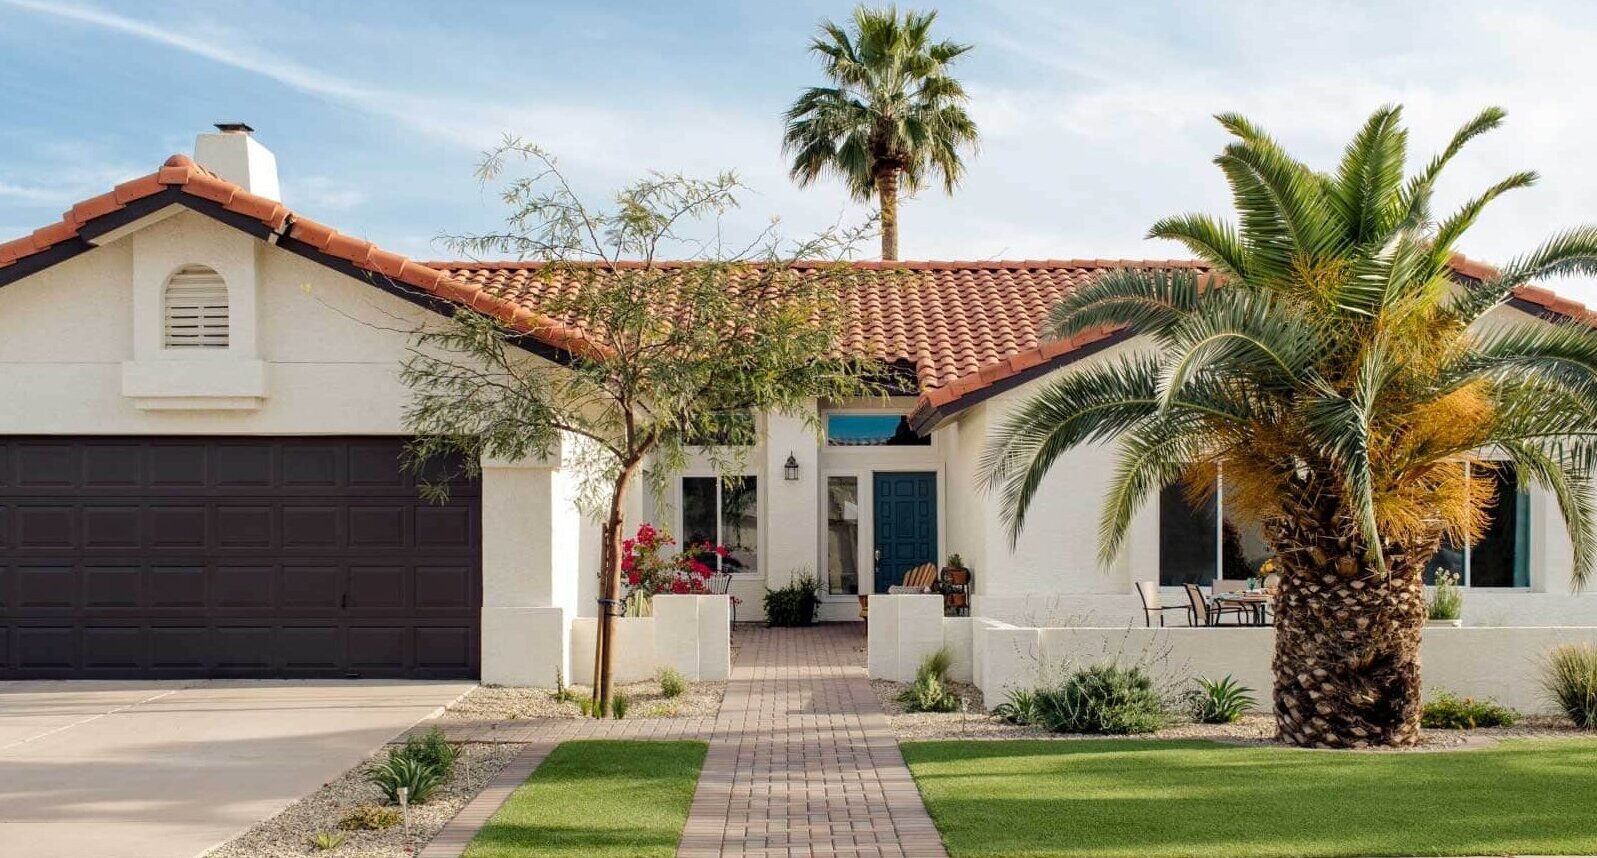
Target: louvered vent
[[196, 309]]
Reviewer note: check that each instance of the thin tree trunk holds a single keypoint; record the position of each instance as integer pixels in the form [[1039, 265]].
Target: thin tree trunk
[[1347, 639], [887, 192], [609, 593]]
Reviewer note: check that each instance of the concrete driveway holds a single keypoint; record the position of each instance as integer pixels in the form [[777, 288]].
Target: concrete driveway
[[170, 769]]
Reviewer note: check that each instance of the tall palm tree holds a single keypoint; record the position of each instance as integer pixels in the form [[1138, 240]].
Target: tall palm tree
[[1344, 381], [892, 116]]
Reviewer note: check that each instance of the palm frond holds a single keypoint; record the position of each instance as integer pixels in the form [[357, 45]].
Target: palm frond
[[1140, 300]]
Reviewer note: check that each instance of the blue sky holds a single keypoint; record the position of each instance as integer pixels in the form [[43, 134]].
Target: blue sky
[[1095, 117]]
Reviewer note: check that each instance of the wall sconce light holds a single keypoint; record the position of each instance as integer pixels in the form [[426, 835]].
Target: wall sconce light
[[790, 470]]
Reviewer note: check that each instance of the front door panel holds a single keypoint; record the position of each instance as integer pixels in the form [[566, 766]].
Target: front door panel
[[905, 524]]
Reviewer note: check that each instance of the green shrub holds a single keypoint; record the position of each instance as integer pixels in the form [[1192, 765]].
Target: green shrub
[[930, 692], [1220, 702], [1447, 598], [370, 817], [419, 777], [432, 749], [585, 705], [562, 692], [793, 605], [1570, 678], [325, 840], [1451, 712], [619, 704], [1019, 708], [1103, 699], [672, 682]]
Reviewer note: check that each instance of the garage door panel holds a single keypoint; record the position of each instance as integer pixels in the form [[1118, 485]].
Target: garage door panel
[[120, 648], [112, 465], [108, 587], [245, 526], [176, 464], [176, 557], [52, 526], [243, 586], [52, 588], [112, 526]]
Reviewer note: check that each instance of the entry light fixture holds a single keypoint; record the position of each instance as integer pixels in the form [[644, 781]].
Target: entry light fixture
[[790, 470]]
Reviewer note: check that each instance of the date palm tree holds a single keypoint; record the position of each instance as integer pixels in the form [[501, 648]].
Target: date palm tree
[[1344, 380], [890, 119]]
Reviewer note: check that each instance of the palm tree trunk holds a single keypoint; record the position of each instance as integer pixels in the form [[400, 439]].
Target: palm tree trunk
[[887, 192], [1347, 640]]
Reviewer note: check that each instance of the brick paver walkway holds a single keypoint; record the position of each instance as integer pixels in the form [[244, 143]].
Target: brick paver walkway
[[802, 763]]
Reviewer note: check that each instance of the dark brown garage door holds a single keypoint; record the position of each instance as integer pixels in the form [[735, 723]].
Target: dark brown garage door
[[250, 557]]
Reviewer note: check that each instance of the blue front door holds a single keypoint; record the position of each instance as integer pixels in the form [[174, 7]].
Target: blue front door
[[905, 525]]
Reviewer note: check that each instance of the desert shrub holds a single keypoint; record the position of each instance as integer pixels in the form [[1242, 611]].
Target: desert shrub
[[620, 702], [1220, 701], [793, 605], [1105, 699], [1447, 598], [672, 682], [326, 840], [1020, 707], [432, 749], [419, 777], [1570, 678], [585, 706], [562, 692], [930, 692], [370, 817], [1451, 712]]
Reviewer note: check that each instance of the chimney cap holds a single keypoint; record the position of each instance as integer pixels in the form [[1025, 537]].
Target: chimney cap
[[233, 128]]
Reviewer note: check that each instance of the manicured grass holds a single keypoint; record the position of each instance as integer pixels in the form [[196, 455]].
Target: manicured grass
[[1155, 798], [597, 799]]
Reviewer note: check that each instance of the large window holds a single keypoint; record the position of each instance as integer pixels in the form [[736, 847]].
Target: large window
[[1194, 546], [872, 430], [724, 511], [1502, 557], [842, 535]]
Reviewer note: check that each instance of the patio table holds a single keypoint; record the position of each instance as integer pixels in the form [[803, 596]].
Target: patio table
[[1257, 600]]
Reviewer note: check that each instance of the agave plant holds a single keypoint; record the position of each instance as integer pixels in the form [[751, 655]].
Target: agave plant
[[1346, 380]]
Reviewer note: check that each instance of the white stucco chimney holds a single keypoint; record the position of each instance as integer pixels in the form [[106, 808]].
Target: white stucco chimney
[[237, 157]]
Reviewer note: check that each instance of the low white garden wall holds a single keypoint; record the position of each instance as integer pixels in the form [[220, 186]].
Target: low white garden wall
[[1499, 662], [690, 633]]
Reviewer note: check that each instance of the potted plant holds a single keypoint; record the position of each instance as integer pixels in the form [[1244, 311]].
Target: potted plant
[[955, 571], [1446, 606], [793, 605]]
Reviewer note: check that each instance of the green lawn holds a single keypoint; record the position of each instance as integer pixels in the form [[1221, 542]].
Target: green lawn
[[1155, 798], [597, 799]]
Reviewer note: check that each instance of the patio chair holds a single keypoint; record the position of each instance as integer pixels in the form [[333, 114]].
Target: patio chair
[[1206, 614], [921, 579], [1149, 593], [720, 584]]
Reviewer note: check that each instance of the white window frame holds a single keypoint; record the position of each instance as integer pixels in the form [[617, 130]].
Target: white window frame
[[759, 526]]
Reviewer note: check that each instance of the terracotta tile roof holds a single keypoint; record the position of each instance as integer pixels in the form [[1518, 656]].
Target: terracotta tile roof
[[1544, 299], [181, 175], [953, 322]]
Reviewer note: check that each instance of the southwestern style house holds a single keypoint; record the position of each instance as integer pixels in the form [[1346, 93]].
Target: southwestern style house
[[199, 469]]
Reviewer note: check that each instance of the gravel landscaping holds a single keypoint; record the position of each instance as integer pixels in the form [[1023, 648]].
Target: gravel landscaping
[[287, 834], [1255, 729], [497, 703]]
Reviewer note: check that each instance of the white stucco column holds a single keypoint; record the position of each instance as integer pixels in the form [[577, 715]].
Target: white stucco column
[[791, 519], [529, 560]]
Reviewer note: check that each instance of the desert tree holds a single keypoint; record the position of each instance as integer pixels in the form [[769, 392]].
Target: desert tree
[[1345, 381], [661, 358]]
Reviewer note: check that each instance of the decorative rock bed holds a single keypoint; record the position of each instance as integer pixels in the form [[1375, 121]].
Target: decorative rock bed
[[496, 703], [287, 834]]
